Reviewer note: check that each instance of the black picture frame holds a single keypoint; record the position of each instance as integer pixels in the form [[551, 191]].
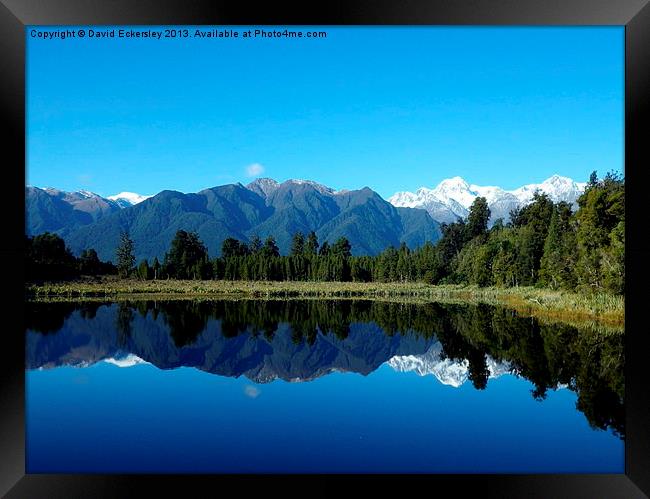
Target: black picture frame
[[633, 14]]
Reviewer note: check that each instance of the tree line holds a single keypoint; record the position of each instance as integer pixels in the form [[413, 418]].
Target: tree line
[[544, 244], [48, 259]]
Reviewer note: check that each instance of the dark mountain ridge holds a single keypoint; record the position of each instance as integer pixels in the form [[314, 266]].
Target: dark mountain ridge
[[262, 208]]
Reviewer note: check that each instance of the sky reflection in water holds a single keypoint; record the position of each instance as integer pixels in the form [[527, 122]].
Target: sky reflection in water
[[357, 412]]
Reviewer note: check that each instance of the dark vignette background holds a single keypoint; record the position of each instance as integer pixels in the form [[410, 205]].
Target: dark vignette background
[[15, 14]]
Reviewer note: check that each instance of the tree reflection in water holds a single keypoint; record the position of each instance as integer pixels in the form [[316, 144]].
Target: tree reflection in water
[[586, 360]]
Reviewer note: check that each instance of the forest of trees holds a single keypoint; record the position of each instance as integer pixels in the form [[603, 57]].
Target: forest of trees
[[544, 244]]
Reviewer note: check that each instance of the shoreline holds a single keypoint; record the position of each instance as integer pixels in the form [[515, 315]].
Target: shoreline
[[547, 304]]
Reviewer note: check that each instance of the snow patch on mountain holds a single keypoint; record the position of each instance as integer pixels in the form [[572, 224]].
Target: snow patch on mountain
[[84, 198], [71, 196], [323, 189], [267, 186], [263, 186], [88, 194]]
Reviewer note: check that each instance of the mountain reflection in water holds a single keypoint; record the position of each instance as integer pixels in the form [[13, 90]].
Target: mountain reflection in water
[[300, 340]]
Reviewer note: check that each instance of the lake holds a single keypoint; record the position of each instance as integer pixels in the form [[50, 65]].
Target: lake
[[304, 386]]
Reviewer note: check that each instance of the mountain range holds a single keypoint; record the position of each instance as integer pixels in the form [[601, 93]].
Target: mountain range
[[266, 207], [451, 199], [53, 210], [262, 208]]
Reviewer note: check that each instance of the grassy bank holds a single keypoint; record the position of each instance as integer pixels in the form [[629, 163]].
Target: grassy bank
[[543, 303]]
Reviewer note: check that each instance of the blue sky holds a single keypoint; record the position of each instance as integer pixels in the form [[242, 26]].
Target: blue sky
[[389, 108]]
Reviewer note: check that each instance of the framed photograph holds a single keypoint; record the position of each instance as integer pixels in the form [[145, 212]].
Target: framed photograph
[[360, 240]]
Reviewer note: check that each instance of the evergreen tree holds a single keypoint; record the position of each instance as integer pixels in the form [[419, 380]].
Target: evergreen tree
[[298, 244], [361, 269], [613, 260], [255, 245], [270, 248], [324, 249], [402, 267], [125, 255], [477, 220], [532, 223], [504, 264], [187, 257], [454, 238], [600, 220], [559, 257], [312, 243], [527, 247], [231, 247], [342, 247]]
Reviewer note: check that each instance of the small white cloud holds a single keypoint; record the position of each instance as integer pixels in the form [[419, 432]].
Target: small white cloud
[[254, 170], [251, 391]]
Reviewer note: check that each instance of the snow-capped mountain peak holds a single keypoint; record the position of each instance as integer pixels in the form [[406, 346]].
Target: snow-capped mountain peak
[[452, 198], [558, 188], [125, 199], [453, 184], [456, 189]]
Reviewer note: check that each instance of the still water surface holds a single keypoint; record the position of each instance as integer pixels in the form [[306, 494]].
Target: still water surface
[[317, 386]]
